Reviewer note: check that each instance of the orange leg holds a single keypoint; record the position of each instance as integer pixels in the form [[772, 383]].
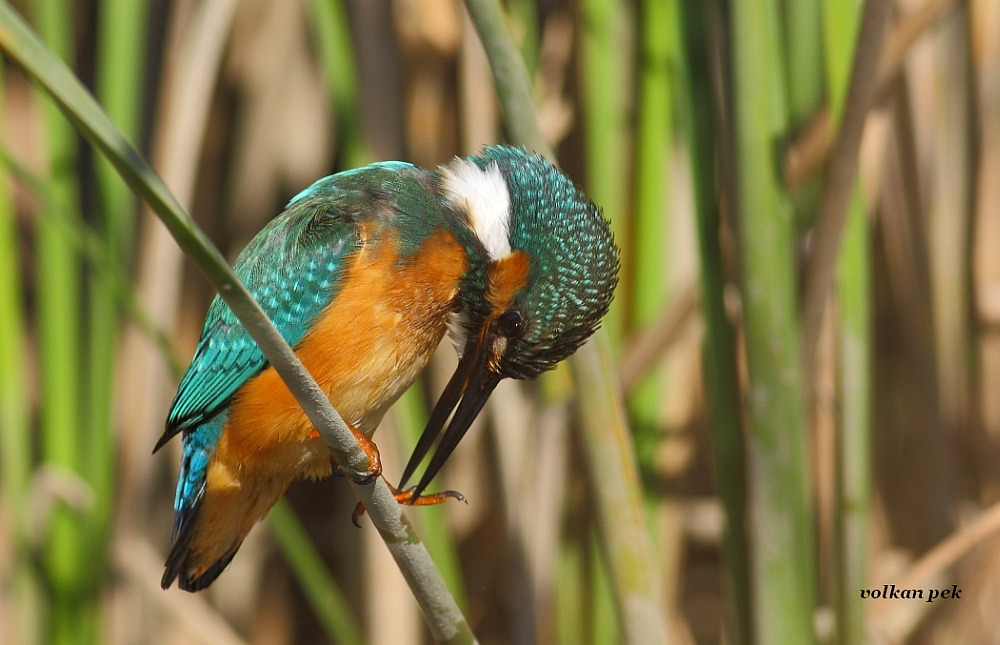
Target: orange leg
[[406, 497], [371, 450]]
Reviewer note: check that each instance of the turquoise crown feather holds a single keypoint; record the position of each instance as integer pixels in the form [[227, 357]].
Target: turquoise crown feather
[[574, 260]]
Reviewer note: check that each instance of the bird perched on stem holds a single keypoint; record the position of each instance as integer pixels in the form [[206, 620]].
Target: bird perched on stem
[[363, 274]]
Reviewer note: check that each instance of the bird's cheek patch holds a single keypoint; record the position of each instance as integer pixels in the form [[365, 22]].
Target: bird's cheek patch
[[499, 347], [507, 276]]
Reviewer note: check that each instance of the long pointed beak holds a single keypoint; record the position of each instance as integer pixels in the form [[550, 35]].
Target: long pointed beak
[[469, 388]]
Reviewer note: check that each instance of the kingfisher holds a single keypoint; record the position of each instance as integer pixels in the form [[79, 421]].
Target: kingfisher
[[363, 274]]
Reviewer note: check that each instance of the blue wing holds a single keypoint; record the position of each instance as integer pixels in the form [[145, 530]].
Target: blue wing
[[293, 268]]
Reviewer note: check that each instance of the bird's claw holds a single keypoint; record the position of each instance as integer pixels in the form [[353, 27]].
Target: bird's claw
[[369, 475], [407, 498], [362, 478]]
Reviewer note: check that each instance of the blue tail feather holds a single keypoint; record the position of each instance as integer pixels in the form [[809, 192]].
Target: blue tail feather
[[199, 445]]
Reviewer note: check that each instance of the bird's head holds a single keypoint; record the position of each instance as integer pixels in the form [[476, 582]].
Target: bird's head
[[547, 270]]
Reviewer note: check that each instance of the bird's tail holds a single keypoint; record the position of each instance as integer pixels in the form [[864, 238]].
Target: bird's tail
[[210, 521], [228, 484], [185, 566]]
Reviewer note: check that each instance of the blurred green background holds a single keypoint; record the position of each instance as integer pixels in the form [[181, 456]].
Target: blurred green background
[[792, 455]]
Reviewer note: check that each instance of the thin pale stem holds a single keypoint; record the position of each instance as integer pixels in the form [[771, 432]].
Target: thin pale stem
[[841, 171]]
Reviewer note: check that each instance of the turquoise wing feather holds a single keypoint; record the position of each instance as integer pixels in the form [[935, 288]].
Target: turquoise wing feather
[[293, 268]]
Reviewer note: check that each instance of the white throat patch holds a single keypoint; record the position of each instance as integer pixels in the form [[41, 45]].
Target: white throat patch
[[483, 195]]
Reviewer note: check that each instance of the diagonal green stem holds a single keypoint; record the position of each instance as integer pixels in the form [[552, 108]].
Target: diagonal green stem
[[440, 609]]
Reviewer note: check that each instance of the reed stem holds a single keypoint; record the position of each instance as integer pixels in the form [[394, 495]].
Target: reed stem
[[722, 386], [854, 318], [781, 513]]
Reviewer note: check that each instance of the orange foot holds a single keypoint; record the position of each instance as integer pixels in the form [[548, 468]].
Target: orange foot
[[371, 450], [406, 497]]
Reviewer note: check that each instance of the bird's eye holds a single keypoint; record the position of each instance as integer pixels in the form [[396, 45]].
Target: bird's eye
[[510, 323]]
